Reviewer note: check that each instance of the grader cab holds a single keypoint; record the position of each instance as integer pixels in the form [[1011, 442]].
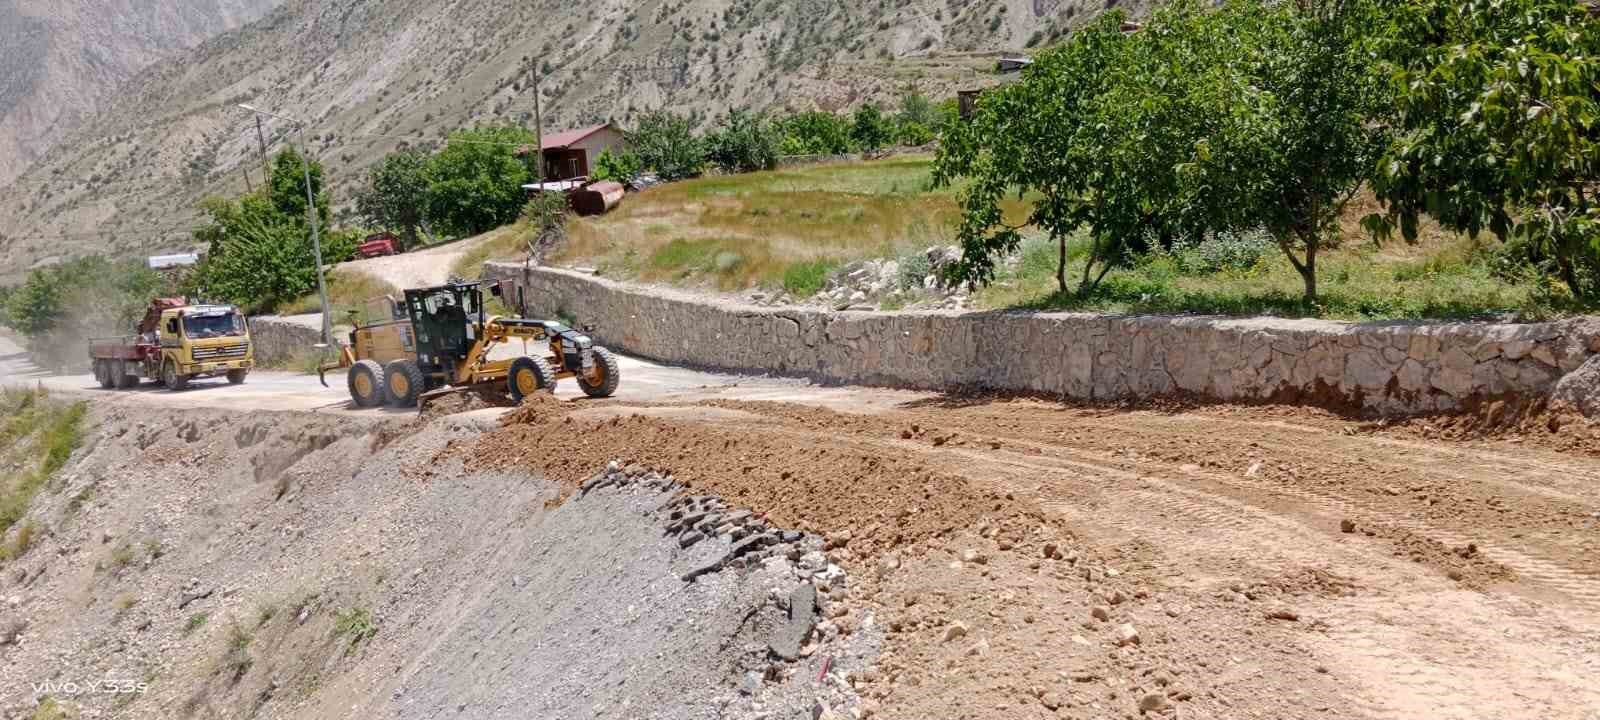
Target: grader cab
[[441, 340]]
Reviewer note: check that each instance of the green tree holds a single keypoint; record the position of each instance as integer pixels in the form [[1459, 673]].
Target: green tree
[[814, 133], [34, 308], [1499, 127], [475, 182], [396, 194], [616, 166], [743, 142], [1302, 120], [287, 188], [917, 108], [262, 258], [665, 142], [1038, 139], [869, 129]]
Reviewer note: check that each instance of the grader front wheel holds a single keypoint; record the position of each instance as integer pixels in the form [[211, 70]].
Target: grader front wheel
[[601, 381], [528, 376]]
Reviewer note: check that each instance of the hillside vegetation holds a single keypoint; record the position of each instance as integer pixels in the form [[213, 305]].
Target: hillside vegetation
[[789, 230]]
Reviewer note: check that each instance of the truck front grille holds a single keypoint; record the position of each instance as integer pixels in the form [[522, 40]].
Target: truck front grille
[[226, 352]]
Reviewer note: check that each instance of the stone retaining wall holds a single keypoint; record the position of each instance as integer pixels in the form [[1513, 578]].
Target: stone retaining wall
[[280, 340], [1389, 367]]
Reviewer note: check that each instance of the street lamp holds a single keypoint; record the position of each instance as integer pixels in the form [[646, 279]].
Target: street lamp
[[311, 210]]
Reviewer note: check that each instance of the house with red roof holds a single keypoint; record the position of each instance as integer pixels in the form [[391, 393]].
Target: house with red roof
[[572, 153]]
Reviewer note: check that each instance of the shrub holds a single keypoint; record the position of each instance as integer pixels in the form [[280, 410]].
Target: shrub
[[356, 624], [804, 279], [815, 133], [914, 269], [665, 142], [1224, 251], [618, 167], [869, 130], [743, 143]]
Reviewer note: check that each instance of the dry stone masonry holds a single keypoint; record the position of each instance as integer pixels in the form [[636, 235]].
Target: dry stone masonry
[[1388, 367]]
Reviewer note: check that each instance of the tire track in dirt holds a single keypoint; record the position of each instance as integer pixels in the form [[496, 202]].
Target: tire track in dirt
[[1196, 528], [1531, 564]]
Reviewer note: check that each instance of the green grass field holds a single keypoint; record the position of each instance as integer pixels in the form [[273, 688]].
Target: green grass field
[[778, 229]]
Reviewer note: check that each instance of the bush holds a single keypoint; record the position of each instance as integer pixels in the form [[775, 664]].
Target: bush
[[804, 279], [913, 134], [1224, 251], [665, 142], [617, 167], [914, 269], [814, 133], [743, 143]]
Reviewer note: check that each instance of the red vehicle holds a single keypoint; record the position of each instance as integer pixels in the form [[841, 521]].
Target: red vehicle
[[378, 245]]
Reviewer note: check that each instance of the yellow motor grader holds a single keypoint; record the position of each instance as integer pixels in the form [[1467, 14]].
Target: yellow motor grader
[[438, 342]]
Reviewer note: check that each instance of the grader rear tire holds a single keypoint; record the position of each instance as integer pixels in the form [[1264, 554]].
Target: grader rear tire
[[365, 380], [602, 381], [530, 375], [405, 383]]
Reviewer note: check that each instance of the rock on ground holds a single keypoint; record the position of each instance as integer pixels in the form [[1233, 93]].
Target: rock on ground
[[1580, 389]]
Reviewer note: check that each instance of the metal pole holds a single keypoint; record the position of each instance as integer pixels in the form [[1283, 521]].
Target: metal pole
[[261, 141], [538, 130], [316, 241]]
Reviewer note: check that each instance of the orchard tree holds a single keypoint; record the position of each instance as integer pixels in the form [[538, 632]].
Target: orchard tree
[[1499, 127], [1301, 113], [665, 142], [869, 129], [1039, 139], [396, 194], [475, 182], [743, 142], [287, 186]]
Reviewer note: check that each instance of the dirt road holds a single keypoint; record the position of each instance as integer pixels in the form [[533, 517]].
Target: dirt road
[[1270, 562]]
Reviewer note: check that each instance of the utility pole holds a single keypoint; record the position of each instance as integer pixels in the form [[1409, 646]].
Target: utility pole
[[311, 212], [538, 128], [316, 240], [246, 173], [261, 141]]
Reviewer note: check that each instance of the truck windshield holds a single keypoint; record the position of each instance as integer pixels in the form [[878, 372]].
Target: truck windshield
[[210, 326]]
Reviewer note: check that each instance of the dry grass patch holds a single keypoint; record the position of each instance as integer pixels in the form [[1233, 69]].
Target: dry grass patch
[[347, 290]]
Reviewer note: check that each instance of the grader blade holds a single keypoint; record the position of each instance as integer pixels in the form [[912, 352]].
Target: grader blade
[[492, 393]]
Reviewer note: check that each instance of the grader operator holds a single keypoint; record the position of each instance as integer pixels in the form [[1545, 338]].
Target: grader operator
[[440, 340]]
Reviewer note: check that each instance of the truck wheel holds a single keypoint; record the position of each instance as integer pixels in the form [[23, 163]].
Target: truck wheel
[[125, 378], [175, 380], [528, 376], [366, 383], [405, 383], [602, 380], [236, 377], [102, 374]]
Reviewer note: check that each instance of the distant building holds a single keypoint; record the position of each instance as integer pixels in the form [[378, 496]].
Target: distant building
[[572, 153], [164, 262]]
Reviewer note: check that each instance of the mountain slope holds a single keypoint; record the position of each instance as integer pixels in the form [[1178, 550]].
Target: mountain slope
[[371, 76], [64, 58]]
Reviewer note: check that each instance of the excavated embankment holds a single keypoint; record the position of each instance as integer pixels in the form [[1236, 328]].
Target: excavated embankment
[[226, 565]]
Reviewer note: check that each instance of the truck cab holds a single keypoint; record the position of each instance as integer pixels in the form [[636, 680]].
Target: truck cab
[[203, 341]]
